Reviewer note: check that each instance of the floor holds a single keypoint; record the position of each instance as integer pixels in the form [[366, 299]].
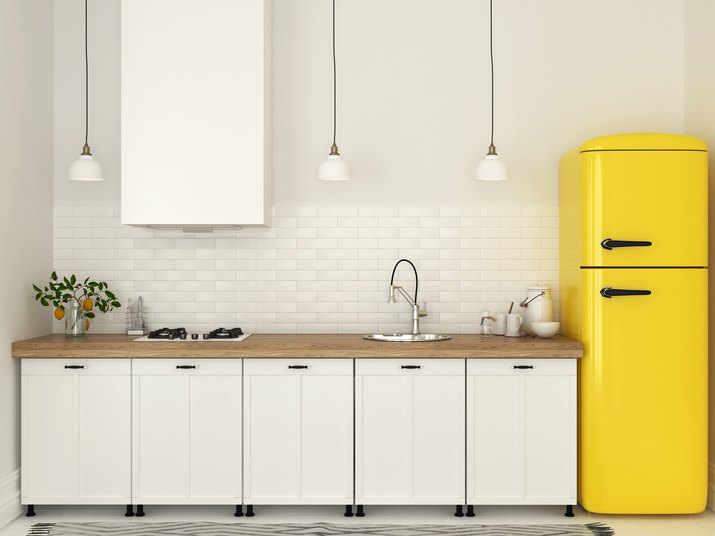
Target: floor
[[691, 525]]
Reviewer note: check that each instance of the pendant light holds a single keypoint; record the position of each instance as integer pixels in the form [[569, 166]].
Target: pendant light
[[86, 168], [334, 168], [492, 168]]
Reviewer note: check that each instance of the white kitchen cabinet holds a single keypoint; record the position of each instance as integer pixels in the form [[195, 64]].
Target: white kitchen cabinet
[[186, 420], [195, 113], [76, 431], [410, 431], [521, 431], [298, 431]]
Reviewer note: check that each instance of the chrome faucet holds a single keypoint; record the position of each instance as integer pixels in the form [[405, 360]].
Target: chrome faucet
[[417, 311]]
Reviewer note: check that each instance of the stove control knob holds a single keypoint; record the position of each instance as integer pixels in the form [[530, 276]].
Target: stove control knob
[[195, 336], [206, 336], [182, 335], [171, 336]]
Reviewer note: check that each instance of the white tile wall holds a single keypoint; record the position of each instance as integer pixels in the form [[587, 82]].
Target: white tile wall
[[317, 269]]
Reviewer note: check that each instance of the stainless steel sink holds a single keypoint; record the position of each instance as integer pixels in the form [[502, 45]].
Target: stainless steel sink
[[406, 337]]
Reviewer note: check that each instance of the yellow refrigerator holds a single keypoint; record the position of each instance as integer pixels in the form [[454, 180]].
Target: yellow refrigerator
[[634, 287]]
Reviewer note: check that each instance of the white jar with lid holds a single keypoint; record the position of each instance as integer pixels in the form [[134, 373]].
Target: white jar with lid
[[538, 305]]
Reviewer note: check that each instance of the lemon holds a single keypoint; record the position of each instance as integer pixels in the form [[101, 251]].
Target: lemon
[[59, 313], [87, 304]]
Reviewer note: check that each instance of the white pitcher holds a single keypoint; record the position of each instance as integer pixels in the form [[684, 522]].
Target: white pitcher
[[538, 305]]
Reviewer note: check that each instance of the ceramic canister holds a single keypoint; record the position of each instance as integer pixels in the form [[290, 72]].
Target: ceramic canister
[[538, 305]]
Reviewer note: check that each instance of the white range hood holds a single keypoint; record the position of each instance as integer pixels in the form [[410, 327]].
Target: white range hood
[[195, 113]]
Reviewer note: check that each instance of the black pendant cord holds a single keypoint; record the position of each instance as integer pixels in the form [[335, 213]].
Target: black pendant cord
[[491, 57], [86, 79], [335, 83]]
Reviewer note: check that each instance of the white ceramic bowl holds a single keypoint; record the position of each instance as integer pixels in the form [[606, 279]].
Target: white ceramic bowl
[[545, 329]]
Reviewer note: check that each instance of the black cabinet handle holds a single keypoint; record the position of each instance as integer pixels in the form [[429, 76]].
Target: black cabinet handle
[[74, 366], [609, 292], [411, 366], [609, 243], [523, 366], [298, 366], [186, 366]]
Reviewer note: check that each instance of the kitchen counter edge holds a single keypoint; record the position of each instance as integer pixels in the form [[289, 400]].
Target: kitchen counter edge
[[296, 346]]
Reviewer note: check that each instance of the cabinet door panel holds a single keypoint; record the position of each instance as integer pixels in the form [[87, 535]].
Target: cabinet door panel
[[438, 436], [104, 436], [326, 437], [272, 447], [521, 431], [549, 436], [384, 432], [215, 442], [50, 436], [410, 431], [298, 432], [495, 438], [161, 433]]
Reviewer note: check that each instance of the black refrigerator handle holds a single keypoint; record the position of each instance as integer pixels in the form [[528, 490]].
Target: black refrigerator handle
[[610, 243], [610, 292]]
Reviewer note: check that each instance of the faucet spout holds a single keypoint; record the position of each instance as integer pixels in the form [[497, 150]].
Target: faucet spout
[[417, 279]]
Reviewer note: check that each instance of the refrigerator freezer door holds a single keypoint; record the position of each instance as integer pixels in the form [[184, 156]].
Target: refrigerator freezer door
[[643, 392], [650, 208]]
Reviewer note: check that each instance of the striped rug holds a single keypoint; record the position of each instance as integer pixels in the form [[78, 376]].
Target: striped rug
[[129, 528]]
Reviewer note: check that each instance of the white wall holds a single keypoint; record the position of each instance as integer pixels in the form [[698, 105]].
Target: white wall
[[25, 207], [414, 94], [700, 122]]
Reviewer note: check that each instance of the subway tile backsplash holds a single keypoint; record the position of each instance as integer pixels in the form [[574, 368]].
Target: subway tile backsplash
[[316, 269]]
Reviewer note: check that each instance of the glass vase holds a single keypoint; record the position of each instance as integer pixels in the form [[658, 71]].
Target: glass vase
[[74, 319]]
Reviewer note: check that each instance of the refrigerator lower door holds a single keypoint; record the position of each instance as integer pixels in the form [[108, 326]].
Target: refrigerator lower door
[[643, 391]]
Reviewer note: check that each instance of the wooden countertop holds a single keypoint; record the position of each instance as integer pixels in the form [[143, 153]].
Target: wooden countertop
[[296, 346]]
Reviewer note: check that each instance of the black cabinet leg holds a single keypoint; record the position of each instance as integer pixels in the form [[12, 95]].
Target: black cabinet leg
[[239, 511], [459, 511], [249, 511], [349, 510], [140, 510], [569, 511], [470, 511], [30, 510], [360, 511], [130, 511]]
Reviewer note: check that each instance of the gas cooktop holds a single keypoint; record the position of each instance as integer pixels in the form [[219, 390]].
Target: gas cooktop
[[180, 334]]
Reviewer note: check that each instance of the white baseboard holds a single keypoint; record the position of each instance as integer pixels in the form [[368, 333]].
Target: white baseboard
[[711, 486], [10, 506]]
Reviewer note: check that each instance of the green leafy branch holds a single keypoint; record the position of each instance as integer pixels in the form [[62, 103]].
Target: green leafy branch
[[60, 291]]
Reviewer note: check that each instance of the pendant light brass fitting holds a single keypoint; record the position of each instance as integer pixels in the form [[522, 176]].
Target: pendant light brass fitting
[[86, 151], [492, 150], [334, 150]]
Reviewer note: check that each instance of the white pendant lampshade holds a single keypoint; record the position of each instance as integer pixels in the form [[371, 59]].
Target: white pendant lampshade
[[86, 168], [334, 169], [492, 168]]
